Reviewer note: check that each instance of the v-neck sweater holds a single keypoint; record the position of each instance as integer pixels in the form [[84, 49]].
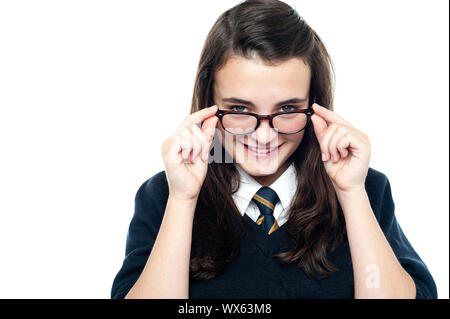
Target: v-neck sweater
[[254, 273]]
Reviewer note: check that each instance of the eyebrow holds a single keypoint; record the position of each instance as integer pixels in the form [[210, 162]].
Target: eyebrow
[[241, 101]]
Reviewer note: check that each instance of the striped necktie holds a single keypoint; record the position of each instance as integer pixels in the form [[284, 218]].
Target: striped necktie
[[266, 199]]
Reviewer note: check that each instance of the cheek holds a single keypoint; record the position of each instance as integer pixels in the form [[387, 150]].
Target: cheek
[[229, 141], [293, 141]]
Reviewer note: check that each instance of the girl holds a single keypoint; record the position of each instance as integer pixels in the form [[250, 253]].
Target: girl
[[285, 204]]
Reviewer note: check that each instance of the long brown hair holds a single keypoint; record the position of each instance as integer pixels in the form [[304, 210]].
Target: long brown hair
[[275, 32]]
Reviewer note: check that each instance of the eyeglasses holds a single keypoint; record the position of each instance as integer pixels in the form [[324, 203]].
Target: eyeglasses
[[241, 123]]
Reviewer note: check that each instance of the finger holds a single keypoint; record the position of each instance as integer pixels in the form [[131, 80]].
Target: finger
[[328, 115], [204, 143], [343, 145], [196, 145], [171, 149], [199, 134], [186, 148], [198, 117], [209, 127], [325, 140], [320, 126], [333, 143], [355, 143]]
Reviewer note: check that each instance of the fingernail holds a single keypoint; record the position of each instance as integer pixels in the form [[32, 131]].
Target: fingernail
[[323, 156]]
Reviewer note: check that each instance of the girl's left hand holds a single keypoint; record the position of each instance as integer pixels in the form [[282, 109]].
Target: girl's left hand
[[346, 151]]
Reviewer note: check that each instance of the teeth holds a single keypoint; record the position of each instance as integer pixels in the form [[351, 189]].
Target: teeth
[[266, 150]]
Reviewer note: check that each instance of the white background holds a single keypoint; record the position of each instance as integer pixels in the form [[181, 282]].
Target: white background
[[89, 90]]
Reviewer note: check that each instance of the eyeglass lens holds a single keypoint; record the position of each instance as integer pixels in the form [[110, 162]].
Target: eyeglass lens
[[245, 124]]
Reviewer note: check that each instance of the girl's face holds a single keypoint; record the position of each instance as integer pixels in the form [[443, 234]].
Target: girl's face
[[260, 89]]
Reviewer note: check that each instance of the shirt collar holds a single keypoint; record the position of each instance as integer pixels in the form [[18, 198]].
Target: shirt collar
[[285, 186]]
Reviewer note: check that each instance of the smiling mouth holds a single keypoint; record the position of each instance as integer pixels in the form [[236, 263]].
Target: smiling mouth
[[261, 152]]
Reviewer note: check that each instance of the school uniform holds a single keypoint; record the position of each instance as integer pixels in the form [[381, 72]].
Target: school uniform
[[254, 274]]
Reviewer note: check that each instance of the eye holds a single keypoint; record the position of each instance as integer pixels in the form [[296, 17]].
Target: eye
[[287, 108], [238, 108]]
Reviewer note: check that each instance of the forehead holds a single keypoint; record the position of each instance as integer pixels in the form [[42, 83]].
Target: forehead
[[253, 79]]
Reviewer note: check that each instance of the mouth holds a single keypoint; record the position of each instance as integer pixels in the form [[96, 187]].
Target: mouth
[[262, 152]]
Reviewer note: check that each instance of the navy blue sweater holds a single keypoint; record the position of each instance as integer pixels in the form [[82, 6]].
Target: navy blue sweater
[[254, 274]]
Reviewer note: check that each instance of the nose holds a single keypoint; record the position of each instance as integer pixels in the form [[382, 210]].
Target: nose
[[264, 134]]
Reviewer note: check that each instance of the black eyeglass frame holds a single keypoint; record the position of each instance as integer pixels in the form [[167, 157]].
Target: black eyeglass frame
[[309, 112]]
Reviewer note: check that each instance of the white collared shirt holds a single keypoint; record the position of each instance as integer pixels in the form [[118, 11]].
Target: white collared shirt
[[285, 187]]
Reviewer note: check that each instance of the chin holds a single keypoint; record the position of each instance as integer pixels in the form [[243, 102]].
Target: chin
[[260, 168]]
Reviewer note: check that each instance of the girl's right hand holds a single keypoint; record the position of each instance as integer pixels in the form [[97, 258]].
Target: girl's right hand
[[186, 154]]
